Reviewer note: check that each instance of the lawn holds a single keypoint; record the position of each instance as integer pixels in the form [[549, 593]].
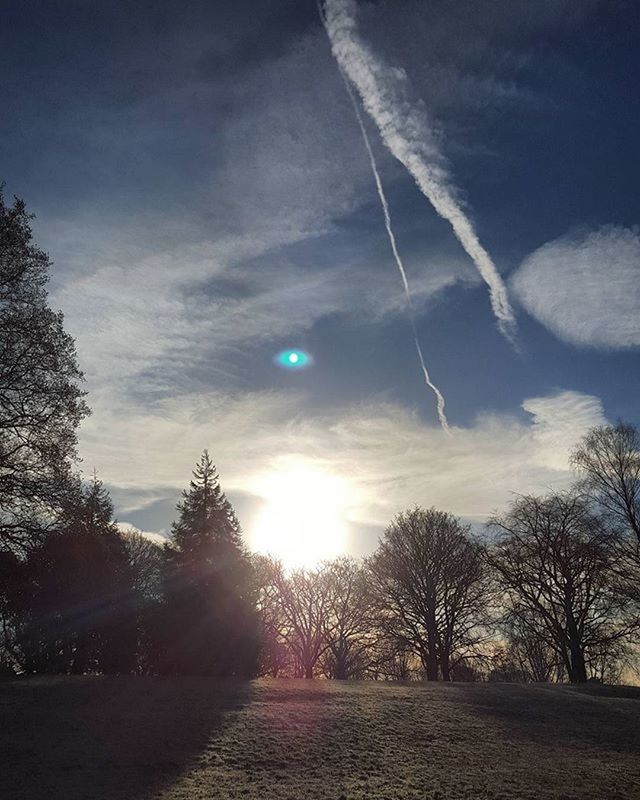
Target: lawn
[[191, 739]]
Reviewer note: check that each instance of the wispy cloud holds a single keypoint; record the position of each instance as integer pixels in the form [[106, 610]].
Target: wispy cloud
[[585, 287], [386, 454], [153, 318]]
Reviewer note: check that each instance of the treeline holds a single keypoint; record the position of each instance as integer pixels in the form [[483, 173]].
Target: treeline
[[76, 593], [90, 598], [548, 592]]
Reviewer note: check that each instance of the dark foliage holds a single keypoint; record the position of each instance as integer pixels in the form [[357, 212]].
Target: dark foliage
[[207, 623], [77, 601]]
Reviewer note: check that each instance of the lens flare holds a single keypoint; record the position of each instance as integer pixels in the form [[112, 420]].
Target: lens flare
[[293, 359]]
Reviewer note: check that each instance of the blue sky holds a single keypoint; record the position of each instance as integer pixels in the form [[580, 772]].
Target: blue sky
[[202, 186]]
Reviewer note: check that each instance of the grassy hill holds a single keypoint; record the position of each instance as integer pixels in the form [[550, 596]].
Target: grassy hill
[[191, 739]]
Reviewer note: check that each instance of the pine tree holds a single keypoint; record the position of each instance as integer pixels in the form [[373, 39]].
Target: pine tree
[[210, 623], [79, 602], [207, 521]]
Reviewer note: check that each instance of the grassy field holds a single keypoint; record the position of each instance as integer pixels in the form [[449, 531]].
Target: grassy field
[[191, 739]]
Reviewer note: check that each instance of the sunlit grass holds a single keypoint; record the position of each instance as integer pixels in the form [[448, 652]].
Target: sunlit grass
[[191, 739]]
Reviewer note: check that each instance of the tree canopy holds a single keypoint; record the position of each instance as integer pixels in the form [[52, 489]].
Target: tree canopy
[[41, 399]]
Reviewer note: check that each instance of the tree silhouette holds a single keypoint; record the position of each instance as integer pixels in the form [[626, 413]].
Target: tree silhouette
[[552, 560], [79, 603], [608, 460], [303, 599], [41, 403], [209, 623], [348, 630], [431, 588]]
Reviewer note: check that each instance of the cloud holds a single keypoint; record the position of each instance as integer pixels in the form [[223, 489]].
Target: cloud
[[386, 455], [163, 295], [154, 322], [585, 288], [128, 529], [411, 138]]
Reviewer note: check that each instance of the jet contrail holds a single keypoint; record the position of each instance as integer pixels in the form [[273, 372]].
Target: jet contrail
[[407, 135], [394, 248]]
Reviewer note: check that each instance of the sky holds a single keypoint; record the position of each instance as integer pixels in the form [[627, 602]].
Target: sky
[[202, 186]]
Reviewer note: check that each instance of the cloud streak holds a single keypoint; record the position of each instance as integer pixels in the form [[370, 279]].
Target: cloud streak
[[408, 136], [440, 403]]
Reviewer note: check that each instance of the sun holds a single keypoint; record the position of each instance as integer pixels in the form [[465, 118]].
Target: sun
[[304, 519]]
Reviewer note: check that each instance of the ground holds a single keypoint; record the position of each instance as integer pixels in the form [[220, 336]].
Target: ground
[[194, 738]]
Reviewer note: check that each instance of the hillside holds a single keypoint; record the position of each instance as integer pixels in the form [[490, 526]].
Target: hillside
[[179, 739]]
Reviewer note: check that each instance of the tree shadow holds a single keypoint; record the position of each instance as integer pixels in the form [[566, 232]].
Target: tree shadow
[[107, 737], [607, 718]]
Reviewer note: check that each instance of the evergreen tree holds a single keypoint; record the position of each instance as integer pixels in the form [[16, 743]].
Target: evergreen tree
[[41, 402], [206, 519], [209, 623], [79, 606]]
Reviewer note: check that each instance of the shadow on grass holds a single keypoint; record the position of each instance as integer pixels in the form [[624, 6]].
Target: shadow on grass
[[105, 738], [603, 717]]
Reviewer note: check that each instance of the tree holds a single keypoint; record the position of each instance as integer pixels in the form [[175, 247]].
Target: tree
[[348, 631], [532, 658], [78, 605], [41, 402], [11, 602], [430, 585], [552, 561], [303, 601], [209, 624], [145, 560], [608, 459], [275, 655]]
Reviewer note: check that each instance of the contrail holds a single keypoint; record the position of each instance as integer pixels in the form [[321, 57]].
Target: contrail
[[394, 248], [406, 133]]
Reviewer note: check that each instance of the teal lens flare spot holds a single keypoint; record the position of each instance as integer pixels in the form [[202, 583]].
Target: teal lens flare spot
[[293, 359]]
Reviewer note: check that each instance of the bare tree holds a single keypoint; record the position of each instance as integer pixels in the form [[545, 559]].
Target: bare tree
[[552, 561], [536, 659], [429, 580], [608, 459], [303, 603], [348, 632], [275, 658]]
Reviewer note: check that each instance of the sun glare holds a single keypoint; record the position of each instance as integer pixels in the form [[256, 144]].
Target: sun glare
[[305, 514]]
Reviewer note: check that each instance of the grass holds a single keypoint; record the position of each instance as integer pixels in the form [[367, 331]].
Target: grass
[[192, 738]]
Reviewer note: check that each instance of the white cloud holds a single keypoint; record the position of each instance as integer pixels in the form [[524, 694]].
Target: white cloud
[[386, 454], [586, 288], [138, 322], [128, 529]]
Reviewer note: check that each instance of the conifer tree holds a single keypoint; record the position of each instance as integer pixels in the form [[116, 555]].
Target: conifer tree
[[78, 602], [210, 621]]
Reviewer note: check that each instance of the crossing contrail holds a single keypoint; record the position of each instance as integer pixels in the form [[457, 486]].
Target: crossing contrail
[[406, 133], [394, 248]]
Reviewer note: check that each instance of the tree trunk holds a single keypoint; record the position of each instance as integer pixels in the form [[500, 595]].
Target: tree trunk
[[431, 665], [578, 667], [578, 671]]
